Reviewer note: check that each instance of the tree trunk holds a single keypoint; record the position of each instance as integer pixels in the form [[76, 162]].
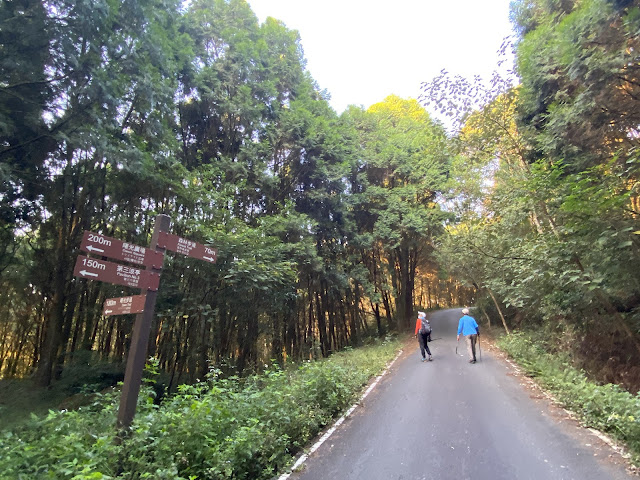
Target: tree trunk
[[484, 312], [322, 331], [495, 302], [65, 333], [355, 316], [376, 312], [248, 342]]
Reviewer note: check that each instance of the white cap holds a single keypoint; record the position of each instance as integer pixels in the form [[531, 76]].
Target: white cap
[[421, 314], [465, 311]]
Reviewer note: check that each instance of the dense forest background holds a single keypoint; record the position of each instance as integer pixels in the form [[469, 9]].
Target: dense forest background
[[329, 228]]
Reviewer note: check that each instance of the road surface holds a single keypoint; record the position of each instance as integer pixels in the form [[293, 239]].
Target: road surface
[[448, 419]]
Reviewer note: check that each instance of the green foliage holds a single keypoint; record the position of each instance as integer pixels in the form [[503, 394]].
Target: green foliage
[[579, 88], [221, 428], [397, 177], [607, 408], [547, 195], [116, 111], [64, 444]]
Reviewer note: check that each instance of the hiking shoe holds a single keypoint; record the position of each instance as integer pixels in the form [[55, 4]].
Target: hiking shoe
[[423, 359], [430, 358]]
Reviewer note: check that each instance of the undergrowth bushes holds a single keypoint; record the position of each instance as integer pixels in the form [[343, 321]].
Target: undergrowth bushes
[[224, 428], [607, 408]]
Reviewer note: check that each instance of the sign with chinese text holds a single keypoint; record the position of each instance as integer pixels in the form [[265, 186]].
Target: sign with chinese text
[[118, 250], [124, 305], [103, 271], [187, 247]]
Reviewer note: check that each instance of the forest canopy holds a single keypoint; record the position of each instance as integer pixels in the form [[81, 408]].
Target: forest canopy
[[114, 112], [329, 227]]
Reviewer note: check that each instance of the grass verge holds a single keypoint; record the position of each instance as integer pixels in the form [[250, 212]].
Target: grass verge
[[223, 428], [607, 408]]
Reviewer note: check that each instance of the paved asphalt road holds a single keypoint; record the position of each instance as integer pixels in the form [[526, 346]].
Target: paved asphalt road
[[448, 419]]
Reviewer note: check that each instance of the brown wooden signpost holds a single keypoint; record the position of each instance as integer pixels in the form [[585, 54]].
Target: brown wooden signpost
[[143, 305]]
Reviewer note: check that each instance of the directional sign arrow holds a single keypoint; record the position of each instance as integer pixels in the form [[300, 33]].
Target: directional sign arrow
[[84, 273], [93, 249]]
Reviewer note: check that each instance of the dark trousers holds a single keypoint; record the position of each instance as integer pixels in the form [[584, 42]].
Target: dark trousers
[[424, 345]]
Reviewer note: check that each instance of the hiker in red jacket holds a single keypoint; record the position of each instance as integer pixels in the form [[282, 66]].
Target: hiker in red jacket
[[423, 331]]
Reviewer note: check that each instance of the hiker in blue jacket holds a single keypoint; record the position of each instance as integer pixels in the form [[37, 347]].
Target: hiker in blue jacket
[[468, 327]]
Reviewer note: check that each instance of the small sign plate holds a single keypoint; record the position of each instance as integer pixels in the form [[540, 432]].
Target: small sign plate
[[124, 305], [187, 247]]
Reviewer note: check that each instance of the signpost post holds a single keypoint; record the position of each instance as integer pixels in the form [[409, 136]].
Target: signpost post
[[143, 305], [140, 339]]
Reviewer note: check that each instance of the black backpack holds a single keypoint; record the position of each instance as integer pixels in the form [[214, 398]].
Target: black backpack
[[425, 328]]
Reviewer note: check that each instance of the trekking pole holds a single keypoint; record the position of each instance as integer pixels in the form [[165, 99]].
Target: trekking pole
[[458, 341]]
